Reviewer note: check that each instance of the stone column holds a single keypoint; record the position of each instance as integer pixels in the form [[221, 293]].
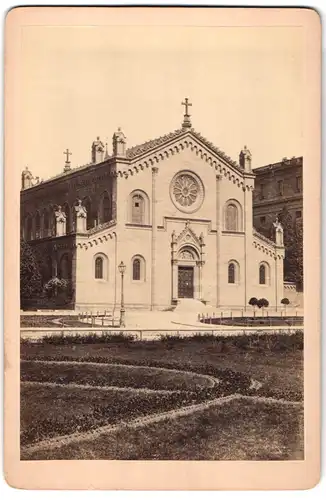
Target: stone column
[[218, 238], [154, 230], [114, 196], [279, 276], [198, 280], [248, 231], [54, 263], [174, 281], [174, 269], [200, 265]]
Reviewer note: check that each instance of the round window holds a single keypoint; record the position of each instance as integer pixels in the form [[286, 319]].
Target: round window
[[187, 191]]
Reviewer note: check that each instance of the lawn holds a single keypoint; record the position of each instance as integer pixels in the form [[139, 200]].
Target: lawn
[[243, 429], [240, 430]]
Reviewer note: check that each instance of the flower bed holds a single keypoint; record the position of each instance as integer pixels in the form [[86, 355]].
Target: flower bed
[[53, 411], [254, 321], [46, 321], [113, 375]]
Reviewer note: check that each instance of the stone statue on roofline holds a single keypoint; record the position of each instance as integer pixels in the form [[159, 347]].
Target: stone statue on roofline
[[81, 217], [278, 233]]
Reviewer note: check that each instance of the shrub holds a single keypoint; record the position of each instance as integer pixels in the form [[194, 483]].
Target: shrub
[[55, 286], [87, 338], [253, 301], [262, 303]]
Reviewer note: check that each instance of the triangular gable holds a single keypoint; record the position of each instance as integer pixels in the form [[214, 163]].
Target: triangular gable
[[188, 236], [161, 148]]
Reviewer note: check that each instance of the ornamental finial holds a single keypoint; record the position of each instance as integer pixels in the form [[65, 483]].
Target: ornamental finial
[[186, 117]]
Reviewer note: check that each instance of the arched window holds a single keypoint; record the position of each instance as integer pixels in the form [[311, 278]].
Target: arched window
[[37, 225], [88, 206], [138, 268], [64, 268], [262, 274], [138, 209], [66, 210], [231, 217], [99, 268], [29, 228], [233, 272], [46, 224], [106, 209], [48, 269], [53, 221]]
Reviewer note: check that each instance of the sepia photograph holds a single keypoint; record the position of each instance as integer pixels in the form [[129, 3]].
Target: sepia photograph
[[162, 310], [161, 282]]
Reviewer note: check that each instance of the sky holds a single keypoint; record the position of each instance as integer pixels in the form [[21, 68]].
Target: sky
[[245, 85]]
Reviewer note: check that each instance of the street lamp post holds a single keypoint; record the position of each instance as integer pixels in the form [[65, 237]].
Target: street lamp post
[[122, 268]]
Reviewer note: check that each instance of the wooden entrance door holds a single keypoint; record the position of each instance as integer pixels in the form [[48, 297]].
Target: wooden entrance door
[[186, 282]]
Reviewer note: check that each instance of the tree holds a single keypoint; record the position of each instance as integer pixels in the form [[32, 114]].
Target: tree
[[253, 302], [30, 276], [262, 303], [285, 302], [297, 254]]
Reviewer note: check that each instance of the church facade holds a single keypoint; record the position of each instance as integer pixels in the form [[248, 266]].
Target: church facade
[[176, 210]]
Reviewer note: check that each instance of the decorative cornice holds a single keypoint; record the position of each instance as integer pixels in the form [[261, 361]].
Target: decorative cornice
[[100, 227], [267, 246], [295, 161], [138, 226], [179, 142], [264, 238], [91, 242], [70, 175], [147, 146], [151, 145], [278, 200]]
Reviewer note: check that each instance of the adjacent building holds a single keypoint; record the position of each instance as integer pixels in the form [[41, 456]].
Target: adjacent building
[[277, 185]]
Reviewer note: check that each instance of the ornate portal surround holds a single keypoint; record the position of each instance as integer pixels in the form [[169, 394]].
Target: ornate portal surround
[[187, 250], [187, 191]]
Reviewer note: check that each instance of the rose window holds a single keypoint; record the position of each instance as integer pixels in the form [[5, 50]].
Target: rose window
[[187, 191]]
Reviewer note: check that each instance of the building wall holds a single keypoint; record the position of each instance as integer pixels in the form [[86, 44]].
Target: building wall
[[267, 205], [92, 293]]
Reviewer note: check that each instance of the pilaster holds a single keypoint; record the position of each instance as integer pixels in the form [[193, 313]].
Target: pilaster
[[154, 237], [218, 238]]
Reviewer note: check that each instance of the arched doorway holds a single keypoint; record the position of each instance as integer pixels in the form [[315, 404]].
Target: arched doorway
[[186, 274]]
